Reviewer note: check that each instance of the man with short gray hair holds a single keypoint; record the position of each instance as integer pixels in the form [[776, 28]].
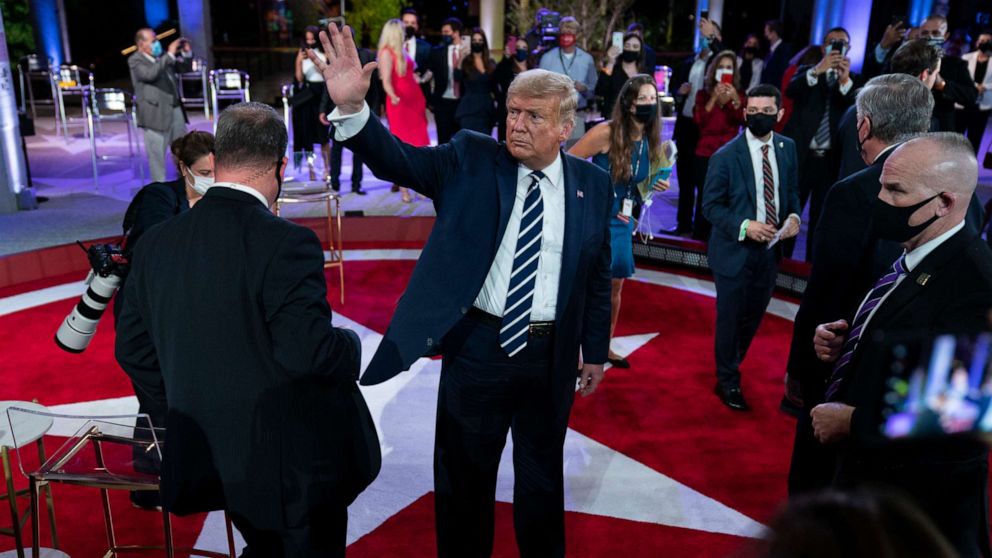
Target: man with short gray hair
[[160, 114], [227, 309], [513, 282], [941, 282], [890, 109]]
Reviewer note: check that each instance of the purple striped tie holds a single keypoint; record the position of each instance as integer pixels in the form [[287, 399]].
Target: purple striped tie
[[879, 290], [771, 215]]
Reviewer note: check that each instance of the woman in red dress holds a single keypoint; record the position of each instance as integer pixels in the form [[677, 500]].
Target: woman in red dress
[[406, 109]]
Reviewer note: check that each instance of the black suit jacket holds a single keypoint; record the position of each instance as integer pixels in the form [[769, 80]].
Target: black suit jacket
[[950, 290], [438, 65], [730, 196], [959, 87], [473, 182], [810, 102], [776, 63], [227, 305]]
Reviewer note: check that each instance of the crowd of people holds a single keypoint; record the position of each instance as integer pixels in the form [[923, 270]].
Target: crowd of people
[[520, 298]]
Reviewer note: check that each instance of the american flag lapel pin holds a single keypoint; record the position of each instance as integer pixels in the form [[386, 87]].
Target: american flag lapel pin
[[579, 194]]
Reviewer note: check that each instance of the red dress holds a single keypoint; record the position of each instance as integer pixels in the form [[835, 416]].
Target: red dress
[[408, 119]]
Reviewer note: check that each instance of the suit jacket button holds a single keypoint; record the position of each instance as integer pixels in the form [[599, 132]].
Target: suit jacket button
[[464, 310], [430, 341]]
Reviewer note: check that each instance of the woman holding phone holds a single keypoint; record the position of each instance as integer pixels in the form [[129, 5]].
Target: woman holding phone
[[719, 117], [613, 76], [628, 146]]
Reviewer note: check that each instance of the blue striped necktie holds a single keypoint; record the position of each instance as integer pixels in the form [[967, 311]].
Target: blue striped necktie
[[520, 296], [879, 290]]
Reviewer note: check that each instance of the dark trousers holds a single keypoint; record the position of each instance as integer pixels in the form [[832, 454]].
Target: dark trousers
[[444, 119], [813, 464], [972, 123], [484, 394], [686, 136], [324, 537], [356, 168], [741, 301], [700, 226], [816, 176]]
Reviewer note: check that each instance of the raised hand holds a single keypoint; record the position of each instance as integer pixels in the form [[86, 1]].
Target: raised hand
[[347, 80]]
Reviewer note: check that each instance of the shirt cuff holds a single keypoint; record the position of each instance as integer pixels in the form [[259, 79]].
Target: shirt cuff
[[880, 53], [347, 126], [743, 232], [846, 87], [811, 77]]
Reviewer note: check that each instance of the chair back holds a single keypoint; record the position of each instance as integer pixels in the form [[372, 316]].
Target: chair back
[[106, 451], [107, 101], [72, 78], [230, 84], [34, 63]]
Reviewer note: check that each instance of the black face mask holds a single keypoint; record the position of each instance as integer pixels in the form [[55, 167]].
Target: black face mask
[[761, 124], [446, 40], [645, 113], [861, 143], [631, 55], [279, 178], [477, 48], [892, 223], [750, 52], [315, 46], [522, 55], [986, 47], [410, 32]]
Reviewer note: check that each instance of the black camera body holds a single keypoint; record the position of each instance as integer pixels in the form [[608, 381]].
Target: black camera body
[[548, 26], [108, 266]]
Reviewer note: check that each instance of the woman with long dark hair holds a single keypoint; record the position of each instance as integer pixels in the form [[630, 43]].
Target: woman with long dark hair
[[628, 146], [475, 73], [718, 114], [308, 86], [613, 76]]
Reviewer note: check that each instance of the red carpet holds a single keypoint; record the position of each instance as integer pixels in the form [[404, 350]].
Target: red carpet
[[661, 413]]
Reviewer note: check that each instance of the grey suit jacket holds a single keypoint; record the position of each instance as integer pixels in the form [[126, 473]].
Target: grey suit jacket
[[155, 90]]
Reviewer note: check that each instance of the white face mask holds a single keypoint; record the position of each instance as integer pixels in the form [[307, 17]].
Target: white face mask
[[201, 184]]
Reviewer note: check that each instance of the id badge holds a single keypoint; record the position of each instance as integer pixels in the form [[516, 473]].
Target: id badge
[[628, 207]]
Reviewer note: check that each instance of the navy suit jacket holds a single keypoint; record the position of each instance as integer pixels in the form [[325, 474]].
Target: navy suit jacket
[[729, 197], [472, 181]]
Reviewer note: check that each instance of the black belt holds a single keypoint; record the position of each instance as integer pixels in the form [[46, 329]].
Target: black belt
[[537, 329]]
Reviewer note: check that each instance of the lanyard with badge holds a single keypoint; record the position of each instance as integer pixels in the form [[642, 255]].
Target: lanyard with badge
[[568, 68], [627, 209]]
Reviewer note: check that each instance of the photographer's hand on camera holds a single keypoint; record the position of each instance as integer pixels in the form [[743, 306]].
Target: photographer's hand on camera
[[829, 62]]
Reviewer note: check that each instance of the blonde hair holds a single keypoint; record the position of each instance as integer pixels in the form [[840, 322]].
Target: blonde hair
[[535, 84], [392, 38]]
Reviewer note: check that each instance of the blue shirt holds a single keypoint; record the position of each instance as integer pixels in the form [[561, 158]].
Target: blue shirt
[[579, 66]]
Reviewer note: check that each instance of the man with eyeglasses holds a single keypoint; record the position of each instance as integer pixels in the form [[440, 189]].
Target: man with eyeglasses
[[822, 93], [954, 83], [751, 197]]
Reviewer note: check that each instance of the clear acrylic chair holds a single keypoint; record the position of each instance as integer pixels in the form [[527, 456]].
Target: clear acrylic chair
[[228, 84], [112, 105], [30, 69], [115, 452], [69, 80]]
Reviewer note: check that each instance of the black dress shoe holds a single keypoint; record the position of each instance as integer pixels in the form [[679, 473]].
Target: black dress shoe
[[146, 500], [731, 397], [358, 191], [619, 362]]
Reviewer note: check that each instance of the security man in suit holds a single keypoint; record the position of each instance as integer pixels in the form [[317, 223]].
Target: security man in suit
[[443, 102], [416, 48], [954, 85], [160, 114], [752, 199], [941, 282], [891, 108], [513, 282], [226, 307]]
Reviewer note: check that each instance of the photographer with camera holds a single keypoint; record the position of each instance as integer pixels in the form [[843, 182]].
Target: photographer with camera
[[821, 93]]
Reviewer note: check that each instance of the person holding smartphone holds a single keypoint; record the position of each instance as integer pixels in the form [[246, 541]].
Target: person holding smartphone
[[628, 146], [718, 115], [613, 76]]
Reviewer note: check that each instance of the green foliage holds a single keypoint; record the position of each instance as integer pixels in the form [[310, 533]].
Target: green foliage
[[368, 16], [17, 26]]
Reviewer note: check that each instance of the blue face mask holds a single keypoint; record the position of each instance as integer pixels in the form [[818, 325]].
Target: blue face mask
[[704, 43], [156, 49]]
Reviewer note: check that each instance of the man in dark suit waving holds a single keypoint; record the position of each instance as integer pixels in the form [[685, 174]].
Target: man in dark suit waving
[[226, 306], [942, 282], [752, 200], [513, 282]]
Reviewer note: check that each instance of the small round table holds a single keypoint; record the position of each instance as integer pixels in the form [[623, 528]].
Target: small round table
[[30, 429]]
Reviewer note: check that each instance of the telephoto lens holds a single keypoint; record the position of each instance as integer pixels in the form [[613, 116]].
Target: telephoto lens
[[76, 332]]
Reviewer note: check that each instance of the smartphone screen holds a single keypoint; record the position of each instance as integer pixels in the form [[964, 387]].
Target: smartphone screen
[[618, 39]]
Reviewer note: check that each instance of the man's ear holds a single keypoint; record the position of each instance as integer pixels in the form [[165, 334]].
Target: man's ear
[[781, 114]]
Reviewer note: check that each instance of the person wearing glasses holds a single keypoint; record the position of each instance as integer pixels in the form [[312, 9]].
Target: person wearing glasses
[[751, 209]]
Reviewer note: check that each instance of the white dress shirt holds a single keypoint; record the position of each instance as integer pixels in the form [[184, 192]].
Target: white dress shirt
[[449, 92], [754, 148], [913, 259], [774, 46], [410, 45], [492, 298], [697, 78], [242, 188]]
